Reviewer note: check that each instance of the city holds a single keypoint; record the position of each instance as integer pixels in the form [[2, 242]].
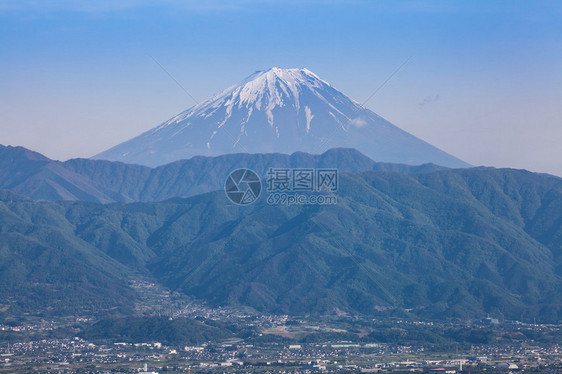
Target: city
[[283, 344]]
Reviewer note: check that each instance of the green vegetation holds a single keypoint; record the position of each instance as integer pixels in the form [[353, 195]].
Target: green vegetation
[[447, 243], [180, 331]]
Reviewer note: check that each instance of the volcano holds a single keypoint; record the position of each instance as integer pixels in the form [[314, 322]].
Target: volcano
[[277, 111]]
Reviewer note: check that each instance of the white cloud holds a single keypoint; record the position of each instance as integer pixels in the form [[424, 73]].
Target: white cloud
[[358, 122]]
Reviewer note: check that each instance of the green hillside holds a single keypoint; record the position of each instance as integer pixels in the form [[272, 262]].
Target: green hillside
[[449, 243]]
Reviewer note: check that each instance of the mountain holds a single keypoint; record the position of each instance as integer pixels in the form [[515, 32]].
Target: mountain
[[46, 269], [443, 244], [448, 243], [34, 175], [277, 111]]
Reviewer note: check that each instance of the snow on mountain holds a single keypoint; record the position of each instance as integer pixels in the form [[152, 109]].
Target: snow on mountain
[[281, 111]]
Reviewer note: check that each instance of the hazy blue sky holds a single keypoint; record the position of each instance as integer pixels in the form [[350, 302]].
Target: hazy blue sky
[[484, 82]]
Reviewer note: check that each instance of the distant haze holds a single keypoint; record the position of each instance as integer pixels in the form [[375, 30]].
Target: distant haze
[[483, 82]]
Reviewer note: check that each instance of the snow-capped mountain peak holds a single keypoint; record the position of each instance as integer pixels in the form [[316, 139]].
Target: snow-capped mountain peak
[[276, 110], [262, 91]]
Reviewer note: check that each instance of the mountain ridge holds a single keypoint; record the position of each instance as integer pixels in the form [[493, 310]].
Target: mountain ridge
[[112, 181]]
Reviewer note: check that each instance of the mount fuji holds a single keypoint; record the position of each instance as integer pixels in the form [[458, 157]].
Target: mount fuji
[[277, 111]]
